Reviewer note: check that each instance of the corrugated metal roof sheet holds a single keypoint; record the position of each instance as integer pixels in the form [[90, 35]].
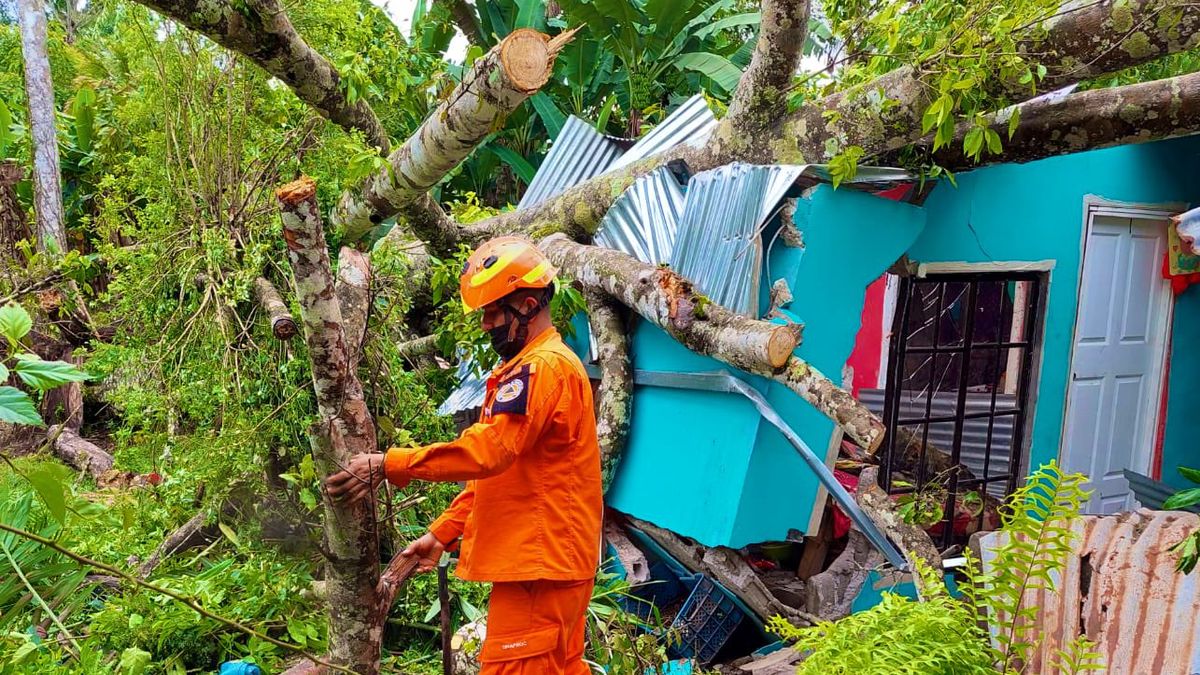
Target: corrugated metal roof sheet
[[1122, 591], [720, 246], [973, 452], [691, 123], [579, 153], [470, 391], [643, 221]]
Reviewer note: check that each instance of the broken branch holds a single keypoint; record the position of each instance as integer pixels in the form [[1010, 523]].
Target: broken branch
[[283, 326], [911, 539], [497, 83], [615, 396]]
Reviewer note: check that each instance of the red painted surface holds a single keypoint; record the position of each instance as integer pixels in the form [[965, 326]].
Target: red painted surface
[[1160, 433], [868, 344]]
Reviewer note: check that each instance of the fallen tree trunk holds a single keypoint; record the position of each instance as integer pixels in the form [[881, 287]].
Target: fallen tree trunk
[[615, 395], [79, 452], [283, 326], [831, 593], [1088, 120], [497, 83], [344, 429], [261, 30], [670, 301], [417, 347], [188, 535], [762, 88]]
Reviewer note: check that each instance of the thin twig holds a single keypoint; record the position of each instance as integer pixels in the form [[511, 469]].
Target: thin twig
[[84, 560]]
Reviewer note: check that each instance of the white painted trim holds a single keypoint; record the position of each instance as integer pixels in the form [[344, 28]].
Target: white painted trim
[[1098, 206], [925, 269], [891, 295]]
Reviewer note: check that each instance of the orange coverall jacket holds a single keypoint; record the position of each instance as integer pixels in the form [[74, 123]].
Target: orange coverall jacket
[[533, 506]]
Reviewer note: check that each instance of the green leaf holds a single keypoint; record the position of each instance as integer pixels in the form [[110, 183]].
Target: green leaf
[[973, 142], [23, 652], [524, 170], [14, 322], [1014, 121], [473, 53], [605, 113], [3, 373], [85, 118], [297, 632], [993, 142], [548, 110], [717, 68], [470, 611], [229, 534], [17, 408], [1182, 499], [744, 19], [45, 375], [433, 610], [6, 134], [530, 14], [1190, 474], [134, 661], [49, 486]]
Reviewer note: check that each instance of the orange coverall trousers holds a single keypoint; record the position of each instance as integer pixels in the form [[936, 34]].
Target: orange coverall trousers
[[536, 628]]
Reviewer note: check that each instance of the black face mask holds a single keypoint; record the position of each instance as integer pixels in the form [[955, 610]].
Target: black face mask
[[505, 347]]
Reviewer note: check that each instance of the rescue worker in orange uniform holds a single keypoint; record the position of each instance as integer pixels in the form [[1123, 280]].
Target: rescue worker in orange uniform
[[530, 517]]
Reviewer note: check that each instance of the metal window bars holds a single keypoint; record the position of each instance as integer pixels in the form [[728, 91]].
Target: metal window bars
[[958, 378]]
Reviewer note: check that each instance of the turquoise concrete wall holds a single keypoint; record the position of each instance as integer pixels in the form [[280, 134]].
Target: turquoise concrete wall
[[1035, 211], [850, 238], [1181, 445]]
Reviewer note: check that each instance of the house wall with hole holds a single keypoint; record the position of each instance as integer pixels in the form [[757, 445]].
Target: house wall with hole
[[1035, 212]]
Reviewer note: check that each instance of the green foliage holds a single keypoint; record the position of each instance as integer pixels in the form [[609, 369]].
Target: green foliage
[[1188, 549], [16, 406], [940, 634], [623, 644]]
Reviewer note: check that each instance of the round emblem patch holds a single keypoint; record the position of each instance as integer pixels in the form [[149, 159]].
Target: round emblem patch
[[509, 391]]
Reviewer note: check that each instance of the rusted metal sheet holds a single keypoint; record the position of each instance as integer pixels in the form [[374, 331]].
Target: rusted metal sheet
[[1121, 590]]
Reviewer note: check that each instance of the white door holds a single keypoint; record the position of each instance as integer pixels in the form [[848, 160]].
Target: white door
[[1116, 366]]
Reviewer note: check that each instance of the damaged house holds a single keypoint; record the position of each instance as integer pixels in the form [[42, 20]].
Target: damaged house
[[1030, 313]]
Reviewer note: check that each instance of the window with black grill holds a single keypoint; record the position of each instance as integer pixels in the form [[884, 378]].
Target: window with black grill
[[957, 398]]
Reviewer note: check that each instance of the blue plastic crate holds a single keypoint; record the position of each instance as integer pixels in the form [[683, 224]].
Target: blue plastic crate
[[706, 621]]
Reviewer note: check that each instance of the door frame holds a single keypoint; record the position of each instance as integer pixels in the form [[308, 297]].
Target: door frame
[[1098, 206]]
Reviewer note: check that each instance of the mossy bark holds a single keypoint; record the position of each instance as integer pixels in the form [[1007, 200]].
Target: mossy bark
[[608, 321], [261, 30], [344, 428]]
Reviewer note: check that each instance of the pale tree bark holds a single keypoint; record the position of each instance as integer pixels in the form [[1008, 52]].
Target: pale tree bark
[[914, 542], [609, 324], [497, 83], [261, 31], [344, 429], [669, 301], [283, 326], [417, 347], [354, 297], [1098, 118], [83, 455], [39, 97]]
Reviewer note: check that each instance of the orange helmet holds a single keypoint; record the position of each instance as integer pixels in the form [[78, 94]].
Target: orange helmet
[[501, 266]]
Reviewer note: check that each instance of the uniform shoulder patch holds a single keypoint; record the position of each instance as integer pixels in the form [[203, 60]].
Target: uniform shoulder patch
[[512, 394]]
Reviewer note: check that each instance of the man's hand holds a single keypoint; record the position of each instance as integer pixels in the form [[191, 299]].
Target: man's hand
[[358, 481], [427, 550]]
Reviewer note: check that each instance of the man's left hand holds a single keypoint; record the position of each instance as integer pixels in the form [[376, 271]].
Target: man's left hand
[[363, 473]]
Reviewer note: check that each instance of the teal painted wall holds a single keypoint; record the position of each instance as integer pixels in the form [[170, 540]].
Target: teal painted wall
[[1035, 211], [1180, 445], [839, 227]]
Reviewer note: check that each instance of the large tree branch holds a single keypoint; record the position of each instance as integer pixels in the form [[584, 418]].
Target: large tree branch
[[344, 429], [762, 89], [1076, 45], [1088, 120], [466, 21], [670, 301], [261, 31], [615, 396], [283, 326], [497, 83]]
